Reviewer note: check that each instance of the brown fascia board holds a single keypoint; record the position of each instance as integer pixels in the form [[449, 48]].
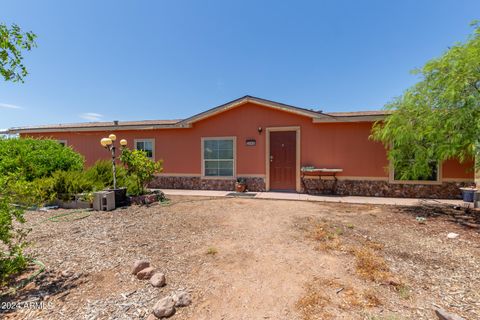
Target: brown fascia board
[[357, 116], [260, 101], [98, 126], [317, 117]]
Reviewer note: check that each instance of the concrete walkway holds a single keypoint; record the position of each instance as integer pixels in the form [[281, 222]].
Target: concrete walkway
[[307, 197]]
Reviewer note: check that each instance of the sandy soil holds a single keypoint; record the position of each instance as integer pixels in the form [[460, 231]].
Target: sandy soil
[[255, 259]]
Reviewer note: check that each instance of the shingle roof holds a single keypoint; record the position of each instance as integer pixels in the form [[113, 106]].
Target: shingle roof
[[317, 117], [360, 113], [103, 125], [97, 124]]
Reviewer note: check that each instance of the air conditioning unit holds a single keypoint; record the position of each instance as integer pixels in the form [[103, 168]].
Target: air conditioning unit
[[104, 201]]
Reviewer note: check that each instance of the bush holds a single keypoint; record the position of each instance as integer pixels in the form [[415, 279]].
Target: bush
[[101, 175], [26, 169], [12, 260], [66, 184], [30, 193], [141, 169], [34, 158], [133, 189]]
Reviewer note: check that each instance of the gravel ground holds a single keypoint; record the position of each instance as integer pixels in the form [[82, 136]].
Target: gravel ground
[[252, 259]]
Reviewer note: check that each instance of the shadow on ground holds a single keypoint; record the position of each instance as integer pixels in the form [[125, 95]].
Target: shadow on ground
[[40, 290], [461, 215]]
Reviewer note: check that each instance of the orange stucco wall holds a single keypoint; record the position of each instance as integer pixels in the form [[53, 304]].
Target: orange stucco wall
[[332, 145]]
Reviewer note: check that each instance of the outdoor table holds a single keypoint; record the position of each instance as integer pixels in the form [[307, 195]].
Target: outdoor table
[[320, 172]]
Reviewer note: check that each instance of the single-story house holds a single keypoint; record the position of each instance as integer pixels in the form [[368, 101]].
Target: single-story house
[[273, 146]]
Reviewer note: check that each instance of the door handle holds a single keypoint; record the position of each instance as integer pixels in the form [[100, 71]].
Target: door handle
[[271, 158]]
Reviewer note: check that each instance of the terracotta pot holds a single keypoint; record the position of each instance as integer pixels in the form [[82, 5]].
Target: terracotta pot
[[240, 187]]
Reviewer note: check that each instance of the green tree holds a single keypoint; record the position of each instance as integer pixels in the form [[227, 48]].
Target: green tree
[[26, 169], [140, 167], [12, 42], [36, 158], [12, 238], [439, 117]]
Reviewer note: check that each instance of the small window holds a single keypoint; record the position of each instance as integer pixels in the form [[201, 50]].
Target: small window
[[433, 176], [218, 157], [62, 142], [147, 145]]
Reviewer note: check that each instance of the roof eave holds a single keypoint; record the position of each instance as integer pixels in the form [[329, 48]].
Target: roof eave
[[83, 129], [339, 119], [237, 102]]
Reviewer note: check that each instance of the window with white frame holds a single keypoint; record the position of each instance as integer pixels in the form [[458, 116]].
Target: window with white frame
[[62, 142], [218, 157], [147, 145]]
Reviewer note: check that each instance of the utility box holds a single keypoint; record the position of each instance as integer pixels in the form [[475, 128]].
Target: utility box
[[104, 201]]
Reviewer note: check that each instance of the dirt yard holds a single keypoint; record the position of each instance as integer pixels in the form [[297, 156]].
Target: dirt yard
[[256, 259]]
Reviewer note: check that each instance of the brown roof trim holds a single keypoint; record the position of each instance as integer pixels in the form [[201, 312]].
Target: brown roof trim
[[361, 113], [260, 101], [356, 116], [317, 117], [98, 126]]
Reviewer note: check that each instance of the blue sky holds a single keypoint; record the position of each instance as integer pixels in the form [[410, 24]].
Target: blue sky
[[135, 60]]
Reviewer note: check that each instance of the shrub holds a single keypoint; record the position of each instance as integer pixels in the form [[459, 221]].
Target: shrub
[[26, 168], [12, 237], [29, 193], [133, 189], [43, 190], [140, 167], [101, 175], [34, 158], [66, 184]]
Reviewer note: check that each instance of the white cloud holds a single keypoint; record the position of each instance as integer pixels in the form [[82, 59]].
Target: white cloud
[[9, 106], [91, 116]]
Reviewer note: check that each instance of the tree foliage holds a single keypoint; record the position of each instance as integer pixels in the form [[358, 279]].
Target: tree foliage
[[439, 117], [11, 238], [36, 158], [140, 167], [12, 42], [26, 167]]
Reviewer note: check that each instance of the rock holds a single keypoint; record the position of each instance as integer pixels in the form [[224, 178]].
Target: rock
[[139, 265], [146, 273], [66, 273], [393, 281], [158, 279], [164, 307], [443, 315], [452, 235], [182, 299], [30, 286], [151, 316]]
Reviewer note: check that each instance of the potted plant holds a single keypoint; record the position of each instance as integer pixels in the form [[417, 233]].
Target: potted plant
[[241, 185], [468, 193]]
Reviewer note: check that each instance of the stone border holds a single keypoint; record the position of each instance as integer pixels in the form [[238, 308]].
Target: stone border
[[370, 188], [367, 188], [255, 184], [148, 198]]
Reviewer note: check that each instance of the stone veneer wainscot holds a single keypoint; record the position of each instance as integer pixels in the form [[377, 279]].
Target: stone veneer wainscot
[[446, 190]]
